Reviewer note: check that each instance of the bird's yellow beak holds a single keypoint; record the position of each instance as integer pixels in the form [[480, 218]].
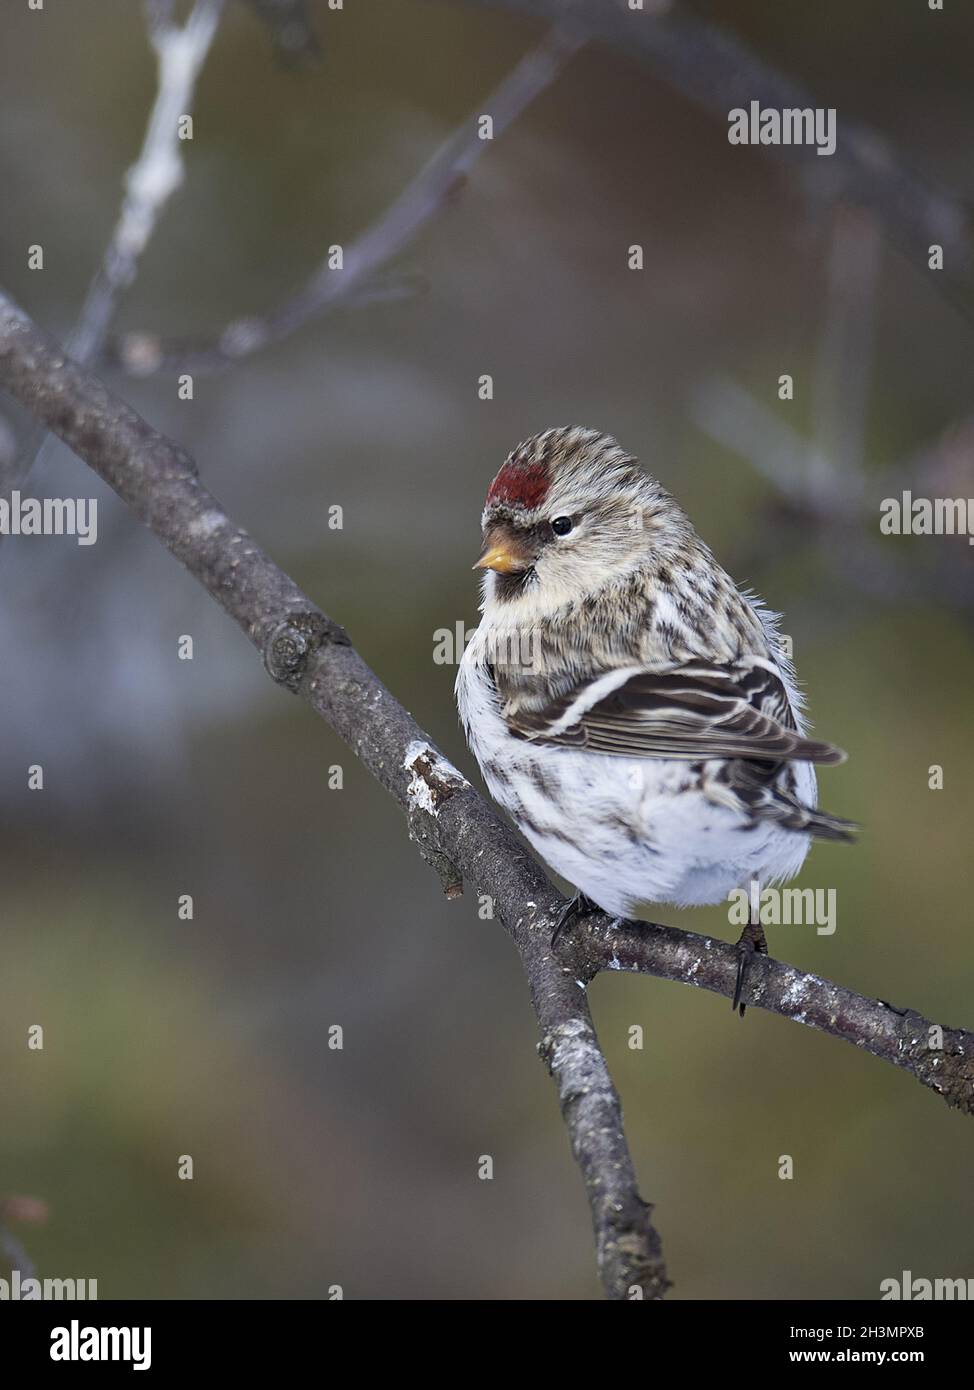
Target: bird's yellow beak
[[503, 553]]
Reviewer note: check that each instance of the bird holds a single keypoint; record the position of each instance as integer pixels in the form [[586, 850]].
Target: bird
[[634, 711]]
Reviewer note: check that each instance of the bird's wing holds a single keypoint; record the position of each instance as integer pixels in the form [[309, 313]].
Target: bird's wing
[[692, 712]]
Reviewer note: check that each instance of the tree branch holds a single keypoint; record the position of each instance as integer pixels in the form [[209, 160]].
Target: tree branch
[[939, 1057], [311, 655], [158, 171], [456, 830], [149, 184], [840, 512], [717, 71], [144, 353]]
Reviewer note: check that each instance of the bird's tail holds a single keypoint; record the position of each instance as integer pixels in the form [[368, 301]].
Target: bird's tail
[[778, 803], [822, 824]]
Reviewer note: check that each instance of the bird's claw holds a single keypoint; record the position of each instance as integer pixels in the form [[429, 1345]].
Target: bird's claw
[[752, 942], [579, 906]]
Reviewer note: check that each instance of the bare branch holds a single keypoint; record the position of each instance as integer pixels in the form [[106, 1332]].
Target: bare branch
[[308, 653], [823, 479], [143, 353], [939, 1057], [718, 72], [844, 356], [837, 503], [149, 184], [157, 172], [158, 15], [732, 416]]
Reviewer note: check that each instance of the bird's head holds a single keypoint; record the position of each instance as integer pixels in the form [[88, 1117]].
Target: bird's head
[[569, 513]]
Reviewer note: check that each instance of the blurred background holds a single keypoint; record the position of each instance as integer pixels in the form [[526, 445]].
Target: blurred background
[[358, 1167]]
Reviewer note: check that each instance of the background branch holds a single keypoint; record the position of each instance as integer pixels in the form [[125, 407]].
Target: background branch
[[455, 829], [149, 184], [143, 353], [840, 513], [718, 72]]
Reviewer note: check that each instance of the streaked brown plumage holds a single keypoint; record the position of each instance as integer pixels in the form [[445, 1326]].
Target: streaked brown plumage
[[631, 708]]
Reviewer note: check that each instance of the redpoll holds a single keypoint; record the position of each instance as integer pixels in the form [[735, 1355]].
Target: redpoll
[[632, 710]]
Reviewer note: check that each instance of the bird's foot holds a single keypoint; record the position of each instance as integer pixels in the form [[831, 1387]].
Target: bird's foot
[[753, 940], [579, 906]]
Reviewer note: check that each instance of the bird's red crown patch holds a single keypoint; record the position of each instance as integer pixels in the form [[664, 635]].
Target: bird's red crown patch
[[520, 484]]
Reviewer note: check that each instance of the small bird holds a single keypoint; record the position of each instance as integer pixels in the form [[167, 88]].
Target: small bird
[[632, 709]]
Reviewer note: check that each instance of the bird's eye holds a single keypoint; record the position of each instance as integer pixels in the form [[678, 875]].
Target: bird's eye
[[562, 525]]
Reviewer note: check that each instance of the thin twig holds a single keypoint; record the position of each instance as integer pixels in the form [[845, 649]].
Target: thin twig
[[939, 1057], [842, 511], [156, 174], [730, 415], [158, 15], [143, 353], [717, 71], [844, 356], [149, 184]]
